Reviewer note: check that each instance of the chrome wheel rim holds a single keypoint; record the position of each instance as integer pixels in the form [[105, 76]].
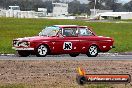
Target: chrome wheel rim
[[93, 50], [42, 50]]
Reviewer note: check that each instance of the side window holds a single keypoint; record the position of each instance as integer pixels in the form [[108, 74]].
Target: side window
[[85, 32], [69, 31]]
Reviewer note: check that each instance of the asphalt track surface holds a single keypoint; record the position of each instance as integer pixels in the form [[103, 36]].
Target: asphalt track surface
[[67, 57]]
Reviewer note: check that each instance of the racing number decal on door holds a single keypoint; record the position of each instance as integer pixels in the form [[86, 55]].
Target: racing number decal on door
[[67, 46]]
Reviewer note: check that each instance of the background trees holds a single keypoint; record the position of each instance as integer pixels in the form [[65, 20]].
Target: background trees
[[128, 6]]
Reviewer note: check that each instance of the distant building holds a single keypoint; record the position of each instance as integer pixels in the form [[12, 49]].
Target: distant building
[[14, 8], [42, 12], [97, 11], [115, 15], [12, 11], [1, 14], [109, 14], [60, 9], [1, 8]]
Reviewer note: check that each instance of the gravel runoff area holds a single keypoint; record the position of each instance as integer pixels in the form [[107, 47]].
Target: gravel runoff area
[[60, 73]]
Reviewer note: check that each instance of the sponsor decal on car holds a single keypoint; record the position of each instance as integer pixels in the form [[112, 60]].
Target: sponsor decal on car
[[67, 46]]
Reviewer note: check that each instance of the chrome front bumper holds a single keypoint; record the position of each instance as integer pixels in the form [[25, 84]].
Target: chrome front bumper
[[22, 48]]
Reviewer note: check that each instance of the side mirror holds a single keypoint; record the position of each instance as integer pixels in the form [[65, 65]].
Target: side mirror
[[61, 36]]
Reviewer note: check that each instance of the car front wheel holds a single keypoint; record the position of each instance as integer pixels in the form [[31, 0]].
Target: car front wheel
[[41, 51], [23, 53], [92, 51]]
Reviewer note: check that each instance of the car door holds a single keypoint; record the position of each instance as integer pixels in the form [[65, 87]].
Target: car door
[[69, 42], [70, 45], [86, 37]]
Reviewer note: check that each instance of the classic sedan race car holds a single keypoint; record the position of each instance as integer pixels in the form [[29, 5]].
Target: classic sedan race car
[[63, 39]]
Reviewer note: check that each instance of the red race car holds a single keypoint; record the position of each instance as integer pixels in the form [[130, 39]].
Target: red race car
[[63, 39]]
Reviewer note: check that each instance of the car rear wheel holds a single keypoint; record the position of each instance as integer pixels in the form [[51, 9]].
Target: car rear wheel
[[92, 51], [41, 51], [74, 54], [23, 53]]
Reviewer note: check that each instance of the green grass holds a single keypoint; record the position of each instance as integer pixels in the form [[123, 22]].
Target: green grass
[[11, 28], [13, 86]]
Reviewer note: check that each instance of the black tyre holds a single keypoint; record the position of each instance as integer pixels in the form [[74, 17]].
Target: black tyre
[[92, 51], [74, 54], [42, 51], [23, 53]]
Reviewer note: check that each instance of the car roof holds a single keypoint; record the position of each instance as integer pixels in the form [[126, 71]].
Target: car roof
[[69, 26], [66, 25]]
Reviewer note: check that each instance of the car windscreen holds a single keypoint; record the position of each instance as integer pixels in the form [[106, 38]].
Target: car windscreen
[[49, 31]]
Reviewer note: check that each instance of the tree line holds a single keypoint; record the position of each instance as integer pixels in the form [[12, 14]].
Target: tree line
[[75, 6]]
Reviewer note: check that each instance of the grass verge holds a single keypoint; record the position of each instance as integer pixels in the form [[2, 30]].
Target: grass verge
[[13, 86]]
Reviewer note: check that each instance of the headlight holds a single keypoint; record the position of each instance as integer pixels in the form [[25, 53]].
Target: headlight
[[24, 44], [17, 43]]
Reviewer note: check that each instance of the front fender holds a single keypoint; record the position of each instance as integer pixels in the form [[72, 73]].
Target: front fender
[[37, 44]]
